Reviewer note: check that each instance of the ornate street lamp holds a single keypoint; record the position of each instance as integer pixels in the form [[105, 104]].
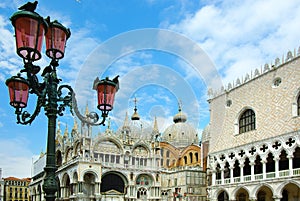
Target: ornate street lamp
[[30, 28], [18, 91]]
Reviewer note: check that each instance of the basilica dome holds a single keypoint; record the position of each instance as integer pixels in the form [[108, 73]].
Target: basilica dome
[[180, 134]]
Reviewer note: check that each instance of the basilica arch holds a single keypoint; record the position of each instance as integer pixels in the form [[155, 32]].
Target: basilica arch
[[113, 182]]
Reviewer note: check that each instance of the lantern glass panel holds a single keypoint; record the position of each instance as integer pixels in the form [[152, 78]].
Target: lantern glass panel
[[106, 96], [18, 93], [56, 39], [29, 37]]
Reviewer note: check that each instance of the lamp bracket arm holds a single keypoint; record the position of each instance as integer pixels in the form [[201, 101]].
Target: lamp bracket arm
[[91, 119], [66, 101], [24, 117]]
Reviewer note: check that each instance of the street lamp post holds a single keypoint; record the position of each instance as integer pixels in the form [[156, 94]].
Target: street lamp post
[[30, 28]]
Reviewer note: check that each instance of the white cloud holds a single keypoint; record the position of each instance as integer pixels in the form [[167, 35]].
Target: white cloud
[[16, 158], [242, 35]]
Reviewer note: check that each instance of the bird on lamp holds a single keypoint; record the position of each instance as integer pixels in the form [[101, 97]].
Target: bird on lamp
[[116, 80], [47, 69], [29, 6], [47, 19]]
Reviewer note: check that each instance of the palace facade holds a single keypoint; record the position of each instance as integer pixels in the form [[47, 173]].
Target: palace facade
[[253, 136]]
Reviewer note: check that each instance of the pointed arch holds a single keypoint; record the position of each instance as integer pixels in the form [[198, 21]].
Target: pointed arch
[[223, 196], [270, 165], [241, 193], [283, 160], [296, 158], [259, 189], [257, 165], [247, 167], [288, 188], [236, 169]]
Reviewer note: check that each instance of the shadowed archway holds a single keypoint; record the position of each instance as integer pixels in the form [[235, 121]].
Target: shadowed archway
[[112, 181]]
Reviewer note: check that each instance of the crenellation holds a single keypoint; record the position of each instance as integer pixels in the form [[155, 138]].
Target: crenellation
[[277, 62], [263, 70], [256, 72], [266, 68], [247, 78], [289, 56]]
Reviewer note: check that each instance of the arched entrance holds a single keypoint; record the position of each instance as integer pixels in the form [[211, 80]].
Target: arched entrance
[[66, 186], [89, 184], [113, 186], [290, 192], [264, 194], [223, 196], [242, 195], [112, 181]]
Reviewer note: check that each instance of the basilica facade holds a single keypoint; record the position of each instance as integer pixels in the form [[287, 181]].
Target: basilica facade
[[135, 162], [253, 136]]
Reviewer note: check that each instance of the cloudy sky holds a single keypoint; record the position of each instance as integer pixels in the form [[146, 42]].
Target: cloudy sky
[[165, 52]]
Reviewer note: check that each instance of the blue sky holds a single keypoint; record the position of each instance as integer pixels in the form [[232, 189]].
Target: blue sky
[[165, 51]]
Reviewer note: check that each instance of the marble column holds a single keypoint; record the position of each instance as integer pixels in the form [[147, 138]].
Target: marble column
[[290, 157], [264, 168], [213, 182], [241, 172], [252, 171], [276, 159], [231, 174]]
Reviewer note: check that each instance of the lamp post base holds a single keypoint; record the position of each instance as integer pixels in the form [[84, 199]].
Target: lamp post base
[[50, 185]]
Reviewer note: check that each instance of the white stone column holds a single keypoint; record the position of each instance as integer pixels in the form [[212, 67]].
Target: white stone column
[[290, 157], [63, 192], [264, 168], [276, 159], [121, 160], [213, 178], [242, 172], [97, 188], [231, 174], [80, 184], [252, 171]]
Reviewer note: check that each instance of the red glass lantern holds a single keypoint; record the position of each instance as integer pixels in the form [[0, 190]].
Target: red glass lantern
[[106, 90], [30, 28], [18, 91], [56, 38]]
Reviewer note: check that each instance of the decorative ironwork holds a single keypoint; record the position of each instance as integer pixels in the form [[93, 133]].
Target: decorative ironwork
[[30, 28]]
